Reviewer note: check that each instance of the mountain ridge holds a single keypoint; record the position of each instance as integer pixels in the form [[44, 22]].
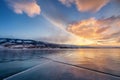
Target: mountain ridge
[[33, 44], [28, 43]]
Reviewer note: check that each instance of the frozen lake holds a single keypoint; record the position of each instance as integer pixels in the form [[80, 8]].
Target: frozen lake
[[79, 64]]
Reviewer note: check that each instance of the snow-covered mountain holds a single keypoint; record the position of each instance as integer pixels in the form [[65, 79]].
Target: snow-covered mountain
[[26, 43]]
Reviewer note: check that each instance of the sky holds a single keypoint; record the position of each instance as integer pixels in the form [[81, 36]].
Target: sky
[[79, 22]]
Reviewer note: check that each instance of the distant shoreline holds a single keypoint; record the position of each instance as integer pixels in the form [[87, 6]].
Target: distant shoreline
[[26, 44], [60, 48]]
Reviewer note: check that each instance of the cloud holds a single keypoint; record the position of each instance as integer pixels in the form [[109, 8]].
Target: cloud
[[113, 35], [86, 5], [67, 2], [118, 1], [97, 30], [64, 36], [54, 22], [118, 40], [29, 7], [61, 35]]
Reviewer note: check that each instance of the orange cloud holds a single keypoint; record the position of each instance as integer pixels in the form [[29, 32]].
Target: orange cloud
[[65, 37], [86, 5], [102, 30], [30, 7]]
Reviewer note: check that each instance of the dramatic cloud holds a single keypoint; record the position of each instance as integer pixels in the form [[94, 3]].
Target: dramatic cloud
[[86, 5], [102, 30], [64, 36], [30, 7]]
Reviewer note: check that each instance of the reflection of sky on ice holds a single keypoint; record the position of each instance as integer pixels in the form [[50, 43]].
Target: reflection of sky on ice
[[14, 61]]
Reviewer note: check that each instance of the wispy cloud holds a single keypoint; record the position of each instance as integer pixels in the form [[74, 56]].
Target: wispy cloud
[[29, 7], [62, 35], [54, 22], [98, 30], [86, 5]]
